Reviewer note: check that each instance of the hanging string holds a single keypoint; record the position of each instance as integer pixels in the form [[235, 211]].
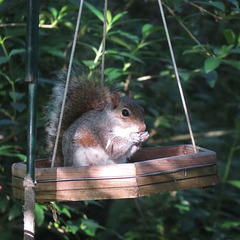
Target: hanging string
[[67, 82], [104, 41], [177, 76]]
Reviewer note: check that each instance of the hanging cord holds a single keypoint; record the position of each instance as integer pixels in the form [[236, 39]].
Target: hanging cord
[[67, 82], [104, 41], [177, 76]]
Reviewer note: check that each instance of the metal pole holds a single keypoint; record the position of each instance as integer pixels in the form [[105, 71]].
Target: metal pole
[[31, 79]]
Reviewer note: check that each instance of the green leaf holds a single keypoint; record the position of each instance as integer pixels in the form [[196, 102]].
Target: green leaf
[[10, 151], [234, 2], [113, 73], [131, 235], [153, 111], [161, 121], [231, 224], [66, 212], [115, 55], [89, 46], [232, 51], [131, 56], [233, 63], [65, 10], [119, 15], [17, 51], [15, 211], [148, 29], [16, 155], [120, 42], [5, 147], [202, 49], [211, 64], [74, 228], [230, 36], [218, 51], [182, 208], [216, 4], [54, 12], [185, 75], [19, 106], [90, 64], [7, 122], [4, 203], [219, 5], [89, 227], [235, 183], [16, 95], [53, 51], [94, 11], [39, 215], [109, 16], [4, 59], [74, 225], [69, 25], [132, 37], [126, 66], [211, 78]]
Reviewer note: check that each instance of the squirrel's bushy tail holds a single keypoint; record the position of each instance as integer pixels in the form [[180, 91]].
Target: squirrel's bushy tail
[[84, 94]]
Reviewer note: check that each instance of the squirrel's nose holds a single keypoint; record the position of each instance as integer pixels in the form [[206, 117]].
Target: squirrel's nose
[[142, 127]]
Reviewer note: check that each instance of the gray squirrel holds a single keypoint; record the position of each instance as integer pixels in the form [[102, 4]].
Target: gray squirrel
[[98, 128]]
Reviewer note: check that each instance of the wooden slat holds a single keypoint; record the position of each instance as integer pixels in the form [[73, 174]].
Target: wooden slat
[[86, 185], [157, 152], [176, 176], [86, 172], [17, 182], [164, 152], [198, 182], [19, 169], [171, 163], [79, 185], [90, 194], [117, 193], [116, 183], [80, 195], [18, 193]]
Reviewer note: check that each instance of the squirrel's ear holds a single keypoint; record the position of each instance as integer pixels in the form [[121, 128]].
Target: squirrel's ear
[[115, 99], [131, 95]]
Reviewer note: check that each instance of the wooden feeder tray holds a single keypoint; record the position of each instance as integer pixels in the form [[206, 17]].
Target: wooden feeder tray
[[153, 170]]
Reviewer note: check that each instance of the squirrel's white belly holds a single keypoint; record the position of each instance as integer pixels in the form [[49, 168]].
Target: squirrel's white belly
[[91, 156]]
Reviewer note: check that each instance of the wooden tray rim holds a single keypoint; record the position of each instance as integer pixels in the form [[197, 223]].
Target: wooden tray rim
[[131, 168]]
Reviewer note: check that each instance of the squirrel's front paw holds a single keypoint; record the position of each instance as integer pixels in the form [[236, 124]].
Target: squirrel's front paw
[[139, 137], [144, 136]]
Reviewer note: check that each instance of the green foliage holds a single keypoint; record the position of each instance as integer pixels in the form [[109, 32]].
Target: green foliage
[[206, 41]]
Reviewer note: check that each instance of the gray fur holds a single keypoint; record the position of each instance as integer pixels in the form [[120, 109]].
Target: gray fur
[[90, 107]]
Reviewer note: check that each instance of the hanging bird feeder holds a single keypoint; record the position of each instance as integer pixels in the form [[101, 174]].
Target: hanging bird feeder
[[151, 170], [154, 170]]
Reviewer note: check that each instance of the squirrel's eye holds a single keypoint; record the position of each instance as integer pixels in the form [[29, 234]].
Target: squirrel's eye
[[125, 112]]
